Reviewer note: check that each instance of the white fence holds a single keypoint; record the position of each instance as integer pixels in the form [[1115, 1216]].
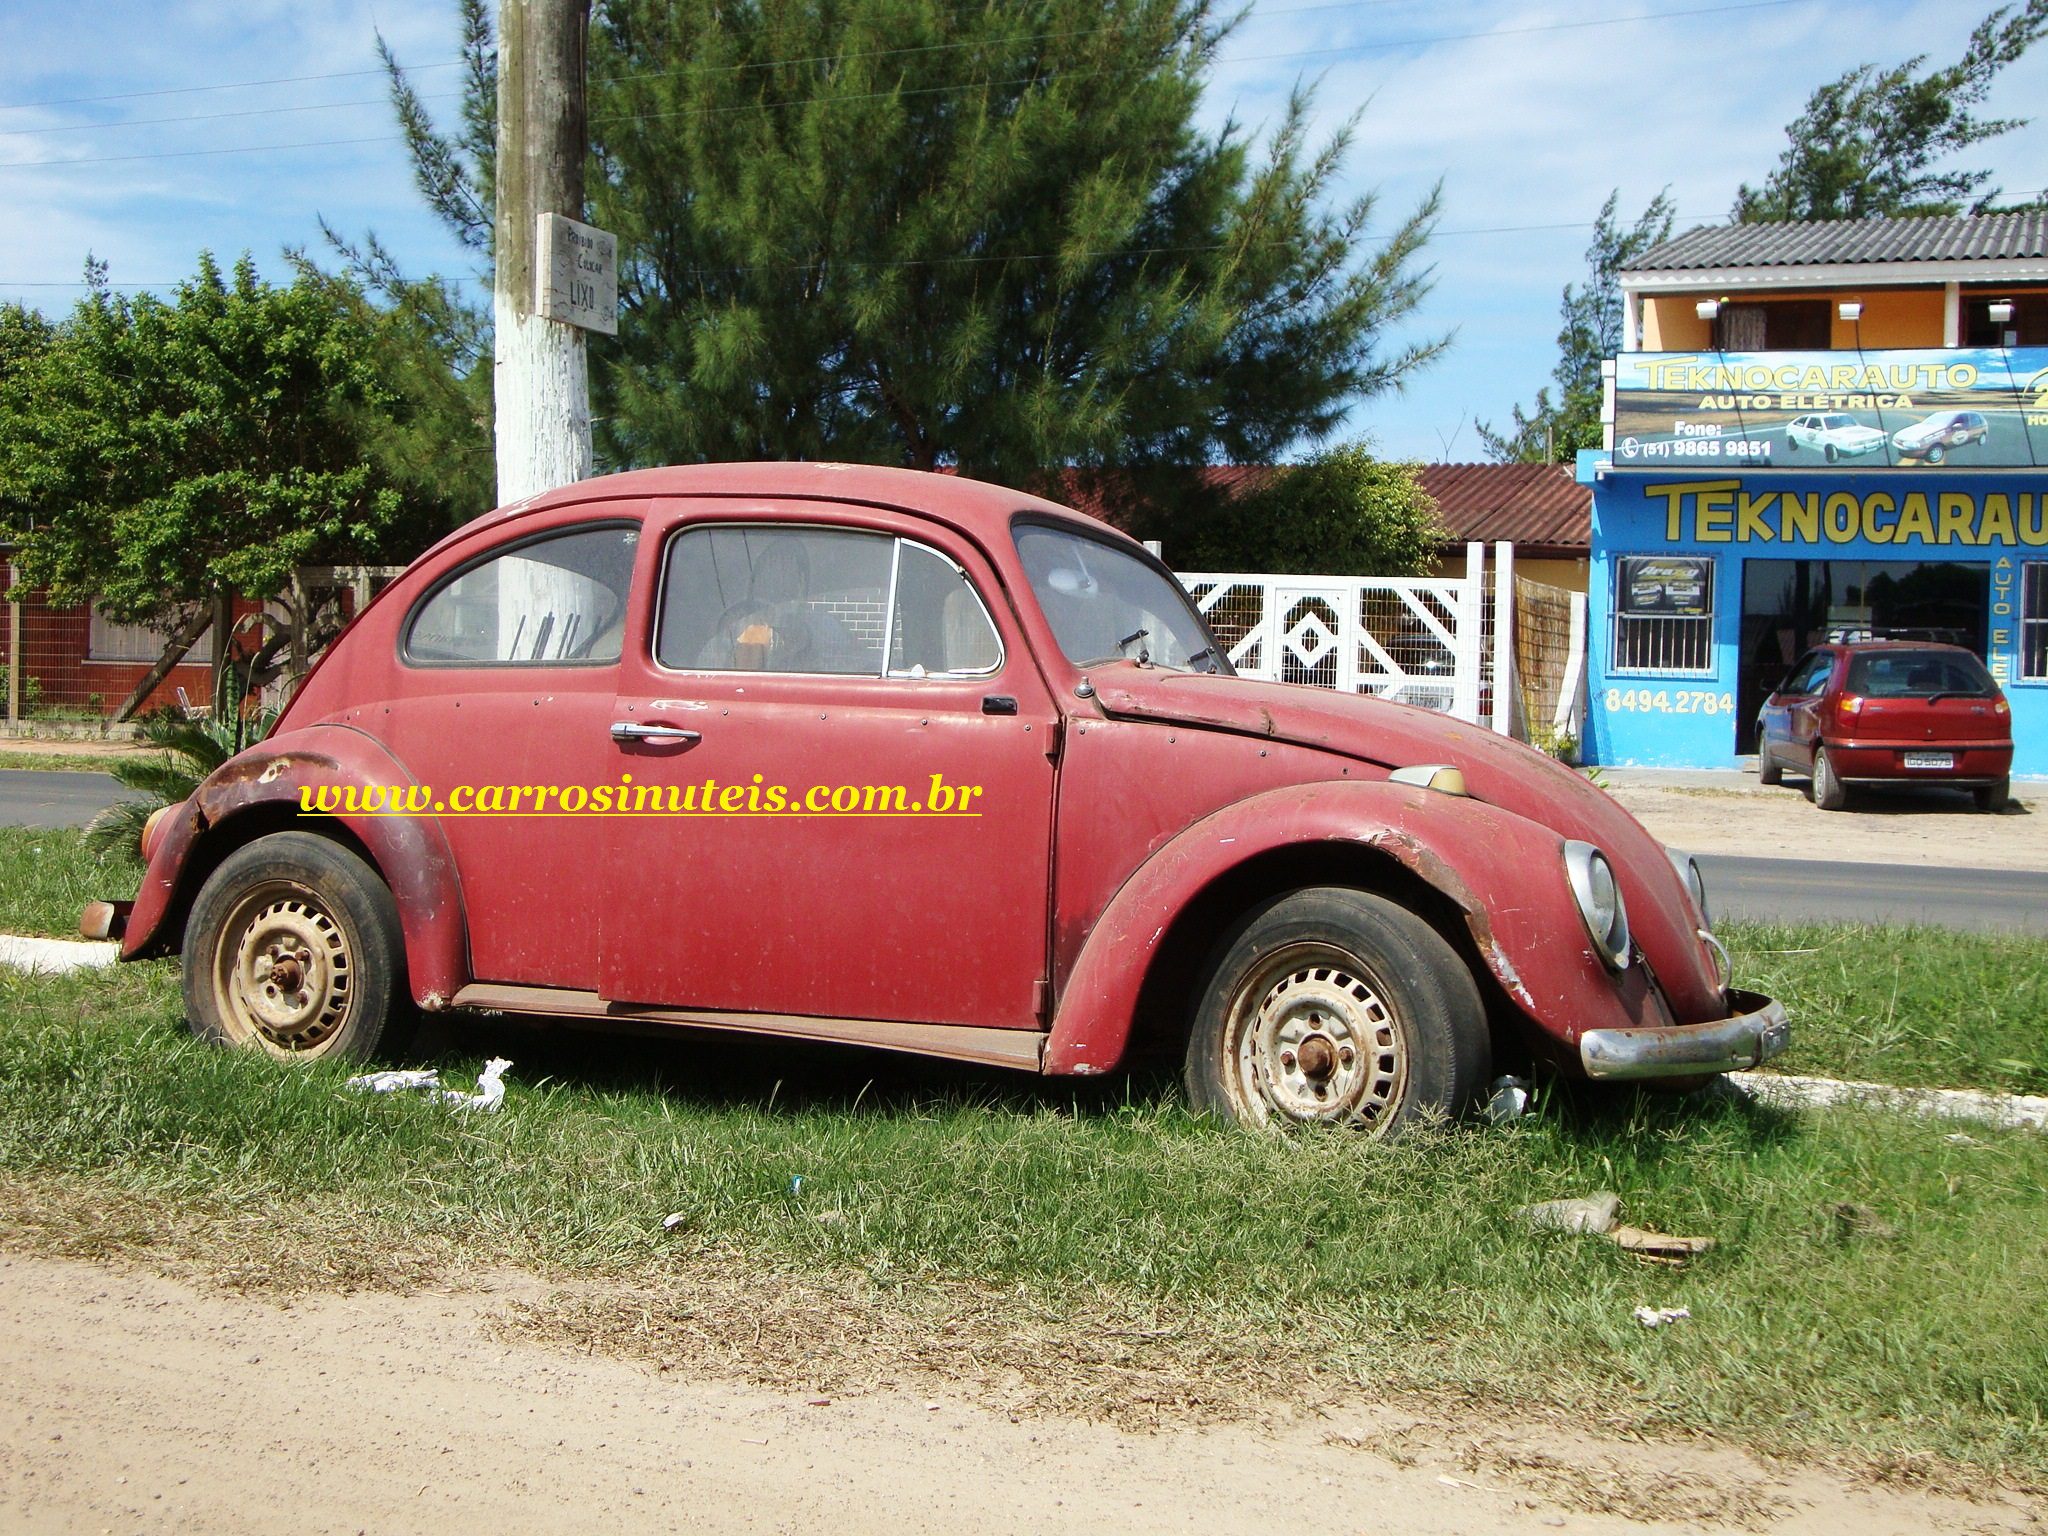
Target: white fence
[[1437, 642], [1417, 640]]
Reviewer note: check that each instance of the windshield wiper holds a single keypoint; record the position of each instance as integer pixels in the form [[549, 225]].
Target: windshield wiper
[[1144, 656], [1207, 652]]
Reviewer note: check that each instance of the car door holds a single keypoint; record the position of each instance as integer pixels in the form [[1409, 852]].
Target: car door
[[512, 663], [1774, 721], [1802, 708], [848, 751]]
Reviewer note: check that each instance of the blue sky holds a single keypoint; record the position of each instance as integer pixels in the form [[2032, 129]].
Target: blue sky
[[1527, 115]]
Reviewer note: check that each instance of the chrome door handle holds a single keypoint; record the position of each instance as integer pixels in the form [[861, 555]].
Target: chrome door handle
[[630, 730]]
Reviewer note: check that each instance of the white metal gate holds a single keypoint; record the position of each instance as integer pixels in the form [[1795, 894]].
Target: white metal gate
[[1416, 640]]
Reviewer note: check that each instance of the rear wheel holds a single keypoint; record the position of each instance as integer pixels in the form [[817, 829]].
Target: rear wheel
[[1829, 792], [1993, 797], [1331, 1006], [294, 948]]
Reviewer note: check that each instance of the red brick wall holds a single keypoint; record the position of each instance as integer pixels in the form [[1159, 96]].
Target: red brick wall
[[54, 645]]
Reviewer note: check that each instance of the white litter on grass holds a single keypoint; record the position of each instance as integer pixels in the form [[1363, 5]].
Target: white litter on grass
[[2009, 1110], [1658, 1317], [55, 957], [489, 1095], [1509, 1101]]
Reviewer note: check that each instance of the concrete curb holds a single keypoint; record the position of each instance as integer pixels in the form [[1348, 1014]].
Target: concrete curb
[[55, 957], [2006, 1110]]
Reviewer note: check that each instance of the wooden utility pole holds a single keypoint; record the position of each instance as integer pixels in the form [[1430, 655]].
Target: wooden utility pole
[[542, 378]]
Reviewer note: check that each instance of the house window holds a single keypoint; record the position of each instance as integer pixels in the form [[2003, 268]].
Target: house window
[[107, 640], [1664, 615], [2034, 623], [1786, 325], [2028, 326]]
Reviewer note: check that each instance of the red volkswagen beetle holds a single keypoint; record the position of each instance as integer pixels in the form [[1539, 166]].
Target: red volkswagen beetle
[[1888, 712], [842, 753]]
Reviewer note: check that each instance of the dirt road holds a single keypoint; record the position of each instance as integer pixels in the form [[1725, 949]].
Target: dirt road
[[1941, 828], [135, 1403]]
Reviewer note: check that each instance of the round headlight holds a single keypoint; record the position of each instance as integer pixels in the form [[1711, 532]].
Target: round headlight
[[1688, 869], [151, 828], [1598, 895]]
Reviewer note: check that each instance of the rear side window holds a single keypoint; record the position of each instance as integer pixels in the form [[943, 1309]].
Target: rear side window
[[558, 600], [1920, 675]]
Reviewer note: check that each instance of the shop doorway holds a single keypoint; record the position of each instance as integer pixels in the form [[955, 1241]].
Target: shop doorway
[[1791, 605]]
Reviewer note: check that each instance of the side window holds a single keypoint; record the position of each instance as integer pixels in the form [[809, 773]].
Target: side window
[[768, 599], [817, 600], [1811, 675], [940, 628], [558, 600]]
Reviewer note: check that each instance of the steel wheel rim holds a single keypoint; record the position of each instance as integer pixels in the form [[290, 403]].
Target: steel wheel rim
[[284, 972], [1312, 1038]]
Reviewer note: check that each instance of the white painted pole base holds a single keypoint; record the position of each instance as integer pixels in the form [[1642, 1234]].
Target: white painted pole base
[[543, 403]]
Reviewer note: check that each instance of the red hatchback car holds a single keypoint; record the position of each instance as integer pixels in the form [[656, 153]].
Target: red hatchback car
[[1888, 712], [831, 752]]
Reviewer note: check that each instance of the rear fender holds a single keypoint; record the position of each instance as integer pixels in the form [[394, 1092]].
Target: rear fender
[[259, 791], [1503, 874]]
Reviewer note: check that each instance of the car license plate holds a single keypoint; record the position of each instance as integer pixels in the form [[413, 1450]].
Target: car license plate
[[1930, 759]]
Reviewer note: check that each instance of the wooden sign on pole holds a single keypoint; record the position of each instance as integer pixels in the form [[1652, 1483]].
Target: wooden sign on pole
[[576, 279]]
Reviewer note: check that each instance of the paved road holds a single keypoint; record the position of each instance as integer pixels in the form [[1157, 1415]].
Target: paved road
[[2012, 900], [32, 798], [1784, 889]]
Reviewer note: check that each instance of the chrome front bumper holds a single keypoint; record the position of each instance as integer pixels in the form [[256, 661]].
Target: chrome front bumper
[[1751, 1037]]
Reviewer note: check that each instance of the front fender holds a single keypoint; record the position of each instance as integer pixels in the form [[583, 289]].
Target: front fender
[[1503, 872], [410, 852]]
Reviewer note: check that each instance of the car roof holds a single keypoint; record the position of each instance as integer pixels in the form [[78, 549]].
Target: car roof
[[975, 507], [1859, 647]]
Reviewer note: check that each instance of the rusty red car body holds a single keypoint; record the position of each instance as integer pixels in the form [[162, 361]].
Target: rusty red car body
[[1136, 816]]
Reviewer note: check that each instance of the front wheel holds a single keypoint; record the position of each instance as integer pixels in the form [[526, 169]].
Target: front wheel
[[1331, 1006], [1768, 769], [294, 948], [1829, 453], [1936, 454]]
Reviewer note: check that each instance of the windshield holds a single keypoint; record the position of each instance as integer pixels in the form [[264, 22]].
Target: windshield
[[1105, 604], [1920, 675]]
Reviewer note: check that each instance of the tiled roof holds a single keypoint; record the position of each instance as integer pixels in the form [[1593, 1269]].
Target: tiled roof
[[1534, 505], [1978, 237]]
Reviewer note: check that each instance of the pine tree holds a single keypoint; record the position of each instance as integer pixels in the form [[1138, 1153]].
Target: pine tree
[[990, 237], [1554, 431], [1868, 142]]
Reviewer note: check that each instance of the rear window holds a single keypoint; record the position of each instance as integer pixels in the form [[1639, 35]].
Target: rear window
[[1919, 675]]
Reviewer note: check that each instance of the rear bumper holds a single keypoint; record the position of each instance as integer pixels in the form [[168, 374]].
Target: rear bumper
[[1747, 1039], [1983, 762]]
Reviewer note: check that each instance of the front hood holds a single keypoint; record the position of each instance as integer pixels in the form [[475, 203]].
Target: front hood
[[1498, 770]]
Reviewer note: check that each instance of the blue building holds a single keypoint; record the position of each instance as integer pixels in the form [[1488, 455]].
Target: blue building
[[1818, 432]]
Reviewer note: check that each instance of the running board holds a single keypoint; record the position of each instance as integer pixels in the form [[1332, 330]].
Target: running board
[[1019, 1048]]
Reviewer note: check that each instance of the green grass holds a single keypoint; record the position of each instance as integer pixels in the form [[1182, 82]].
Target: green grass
[[1923, 1007], [60, 762], [48, 874], [1100, 1245]]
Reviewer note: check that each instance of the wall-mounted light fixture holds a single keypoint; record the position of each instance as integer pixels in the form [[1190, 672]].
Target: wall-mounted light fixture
[[1999, 311], [1707, 309], [1850, 309]]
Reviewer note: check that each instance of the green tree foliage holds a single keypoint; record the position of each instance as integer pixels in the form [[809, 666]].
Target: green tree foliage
[[1555, 430], [155, 455], [1339, 513], [986, 236], [1869, 143]]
